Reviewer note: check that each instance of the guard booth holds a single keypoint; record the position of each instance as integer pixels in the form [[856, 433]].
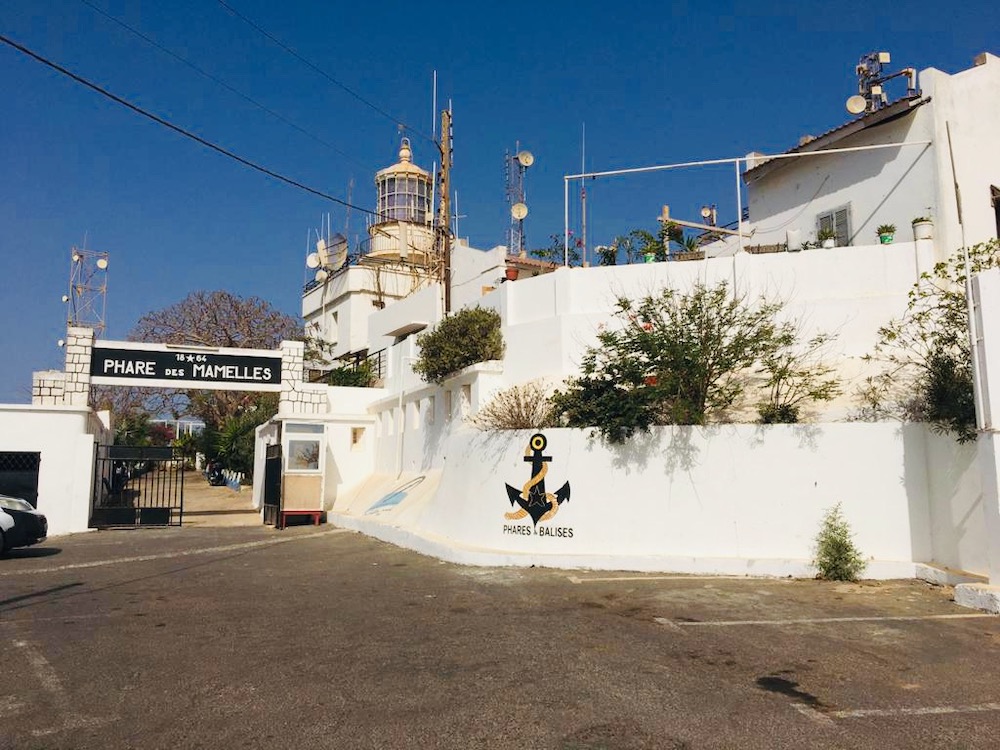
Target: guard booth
[[293, 473], [137, 486]]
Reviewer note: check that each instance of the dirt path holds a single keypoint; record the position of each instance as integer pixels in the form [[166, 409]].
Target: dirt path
[[205, 505]]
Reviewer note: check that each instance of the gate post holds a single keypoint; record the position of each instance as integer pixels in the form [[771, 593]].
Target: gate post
[[71, 387], [298, 396]]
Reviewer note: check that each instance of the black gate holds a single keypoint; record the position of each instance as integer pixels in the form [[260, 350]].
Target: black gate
[[137, 487], [272, 485]]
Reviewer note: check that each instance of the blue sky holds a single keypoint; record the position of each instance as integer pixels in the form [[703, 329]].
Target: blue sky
[[653, 83]]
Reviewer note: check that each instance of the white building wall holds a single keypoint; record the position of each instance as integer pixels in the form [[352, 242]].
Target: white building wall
[[968, 104], [550, 320], [61, 435], [737, 499], [883, 186], [472, 271]]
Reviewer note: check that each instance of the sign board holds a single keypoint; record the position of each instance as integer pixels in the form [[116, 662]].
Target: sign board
[[168, 366]]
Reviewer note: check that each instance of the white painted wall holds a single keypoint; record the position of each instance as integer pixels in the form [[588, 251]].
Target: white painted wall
[[728, 499], [550, 320], [884, 186], [472, 271], [968, 103], [62, 436]]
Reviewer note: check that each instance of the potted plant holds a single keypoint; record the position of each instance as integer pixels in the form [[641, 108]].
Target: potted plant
[[886, 233], [827, 237], [923, 228], [511, 273]]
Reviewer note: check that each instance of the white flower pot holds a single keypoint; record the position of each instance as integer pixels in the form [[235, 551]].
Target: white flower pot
[[923, 230], [829, 243]]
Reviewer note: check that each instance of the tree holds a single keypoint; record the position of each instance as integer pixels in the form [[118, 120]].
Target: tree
[[671, 358], [218, 319], [925, 357], [837, 557], [556, 251], [465, 337]]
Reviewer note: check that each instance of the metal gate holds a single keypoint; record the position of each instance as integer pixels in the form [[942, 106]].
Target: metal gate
[[136, 486], [272, 485]]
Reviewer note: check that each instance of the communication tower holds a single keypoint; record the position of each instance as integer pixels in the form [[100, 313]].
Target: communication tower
[[88, 289], [515, 165]]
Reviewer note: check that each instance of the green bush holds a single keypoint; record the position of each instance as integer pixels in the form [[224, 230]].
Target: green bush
[[361, 376], [925, 357], [464, 338], [837, 559], [669, 358]]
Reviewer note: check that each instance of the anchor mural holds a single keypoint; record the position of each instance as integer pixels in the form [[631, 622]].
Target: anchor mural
[[532, 498]]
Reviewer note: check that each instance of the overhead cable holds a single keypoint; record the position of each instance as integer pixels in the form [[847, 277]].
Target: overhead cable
[[177, 128], [222, 83], [322, 72]]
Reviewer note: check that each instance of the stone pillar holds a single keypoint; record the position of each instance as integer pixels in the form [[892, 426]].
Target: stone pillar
[[297, 396], [71, 387]]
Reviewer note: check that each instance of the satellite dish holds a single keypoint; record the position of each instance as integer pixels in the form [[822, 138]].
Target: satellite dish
[[322, 275], [337, 243], [519, 211], [525, 158], [706, 212], [857, 104], [323, 252], [102, 263], [312, 260]]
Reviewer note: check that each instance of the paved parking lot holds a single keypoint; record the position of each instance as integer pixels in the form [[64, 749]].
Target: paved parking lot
[[320, 638]]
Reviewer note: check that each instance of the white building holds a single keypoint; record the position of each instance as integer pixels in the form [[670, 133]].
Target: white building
[[892, 164], [400, 462]]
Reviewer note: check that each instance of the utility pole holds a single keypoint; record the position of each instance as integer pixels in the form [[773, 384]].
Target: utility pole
[[444, 213]]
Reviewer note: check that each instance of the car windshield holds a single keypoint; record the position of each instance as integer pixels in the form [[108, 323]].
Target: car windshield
[[14, 503]]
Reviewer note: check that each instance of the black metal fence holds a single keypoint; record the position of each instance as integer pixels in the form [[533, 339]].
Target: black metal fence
[[136, 486], [272, 485]]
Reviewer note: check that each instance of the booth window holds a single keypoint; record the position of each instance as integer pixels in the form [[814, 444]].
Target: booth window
[[305, 444]]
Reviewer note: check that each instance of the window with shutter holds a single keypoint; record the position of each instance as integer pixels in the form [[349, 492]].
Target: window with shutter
[[839, 220]]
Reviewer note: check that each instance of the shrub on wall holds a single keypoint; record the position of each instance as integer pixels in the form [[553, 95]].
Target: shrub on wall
[[360, 376], [676, 358], [464, 338], [522, 407], [925, 357]]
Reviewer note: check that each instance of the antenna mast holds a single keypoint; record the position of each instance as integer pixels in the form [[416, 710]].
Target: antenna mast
[[514, 168], [583, 196], [88, 289]]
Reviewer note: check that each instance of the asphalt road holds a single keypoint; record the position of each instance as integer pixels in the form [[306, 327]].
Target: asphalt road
[[319, 638]]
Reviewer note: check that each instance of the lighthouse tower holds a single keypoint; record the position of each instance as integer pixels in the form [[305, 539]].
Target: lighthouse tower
[[403, 226]]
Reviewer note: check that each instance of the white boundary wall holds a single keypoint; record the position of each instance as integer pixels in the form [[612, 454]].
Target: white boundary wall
[[732, 499], [65, 437]]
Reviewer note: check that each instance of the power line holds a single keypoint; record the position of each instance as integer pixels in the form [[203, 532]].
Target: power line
[[222, 83], [322, 72], [177, 128]]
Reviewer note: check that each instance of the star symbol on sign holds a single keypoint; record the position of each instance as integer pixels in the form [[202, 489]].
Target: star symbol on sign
[[539, 500], [190, 358]]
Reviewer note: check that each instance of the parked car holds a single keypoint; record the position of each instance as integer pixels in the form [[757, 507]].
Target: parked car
[[20, 524]]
